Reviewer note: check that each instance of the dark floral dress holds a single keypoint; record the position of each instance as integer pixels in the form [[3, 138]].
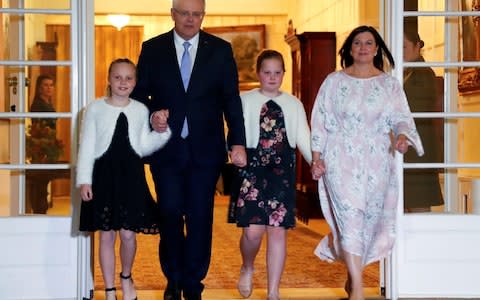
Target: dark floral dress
[[267, 191]]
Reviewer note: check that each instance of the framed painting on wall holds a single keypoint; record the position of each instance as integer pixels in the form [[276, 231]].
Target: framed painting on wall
[[469, 77], [247, 41]]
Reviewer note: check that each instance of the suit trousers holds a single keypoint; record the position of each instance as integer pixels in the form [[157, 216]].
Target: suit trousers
[[185, 193]]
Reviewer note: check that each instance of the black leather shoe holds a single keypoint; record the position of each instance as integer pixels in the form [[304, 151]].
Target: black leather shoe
[[192, 296], [172, 292]]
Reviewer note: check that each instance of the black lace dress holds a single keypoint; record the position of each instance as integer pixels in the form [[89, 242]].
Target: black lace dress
[[267, 183], [121, 199]]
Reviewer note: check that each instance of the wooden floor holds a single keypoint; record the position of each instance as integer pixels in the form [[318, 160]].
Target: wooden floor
[[61, 207], [286, 294]]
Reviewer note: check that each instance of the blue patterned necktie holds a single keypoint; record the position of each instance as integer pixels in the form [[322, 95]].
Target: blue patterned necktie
[[185, 70]]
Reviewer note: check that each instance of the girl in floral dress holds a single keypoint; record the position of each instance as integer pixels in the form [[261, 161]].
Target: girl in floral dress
[[275, 124]]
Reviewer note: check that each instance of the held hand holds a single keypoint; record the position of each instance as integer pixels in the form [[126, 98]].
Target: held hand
[[317, 169], [238, 156], [86, 192], [401, 145], [159, 120]]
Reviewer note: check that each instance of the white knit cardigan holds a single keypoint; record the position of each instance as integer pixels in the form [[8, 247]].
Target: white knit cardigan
[[98, 126], [298, 131]]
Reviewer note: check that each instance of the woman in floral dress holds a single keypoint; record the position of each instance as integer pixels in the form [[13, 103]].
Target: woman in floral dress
[[359, 116], [275, 124]]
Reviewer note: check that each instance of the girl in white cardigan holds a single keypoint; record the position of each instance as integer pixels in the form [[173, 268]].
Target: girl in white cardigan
[[275, 124], [115, 197]]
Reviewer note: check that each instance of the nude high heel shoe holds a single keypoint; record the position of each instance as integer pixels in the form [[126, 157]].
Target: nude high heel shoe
[[273, 297], [245, 282]]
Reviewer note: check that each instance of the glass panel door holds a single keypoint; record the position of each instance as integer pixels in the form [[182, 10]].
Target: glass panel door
[[35, 113], [435, 254], [42, 79], [439, 58]]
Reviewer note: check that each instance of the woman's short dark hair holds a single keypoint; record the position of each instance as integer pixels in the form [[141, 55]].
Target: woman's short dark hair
[[268, 54], [346, 57]]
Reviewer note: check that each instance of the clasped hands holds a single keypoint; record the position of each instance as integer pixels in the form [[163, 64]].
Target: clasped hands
[[238, 156], [159, 120], [159, 123], [317, 169]]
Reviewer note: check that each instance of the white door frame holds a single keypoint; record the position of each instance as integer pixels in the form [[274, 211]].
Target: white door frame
[[435, 255], [85, 54], [46, 256]]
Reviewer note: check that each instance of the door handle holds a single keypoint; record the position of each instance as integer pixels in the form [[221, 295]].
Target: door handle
[[13, 83]]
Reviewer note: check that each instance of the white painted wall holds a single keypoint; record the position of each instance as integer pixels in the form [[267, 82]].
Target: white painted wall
[[154, 16], [214, 7], [339, 16]]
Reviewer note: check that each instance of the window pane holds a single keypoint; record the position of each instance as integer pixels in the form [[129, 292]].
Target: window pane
[[465, 34], [48, 143], [38, 4], [454, 191], [12, 78], [431, 5], [45, 37], [4, 141], [429, 33], [470, 191], [416, 5], [49, 89], [47, 192], [449, 140], [424, 190], [468, 136]]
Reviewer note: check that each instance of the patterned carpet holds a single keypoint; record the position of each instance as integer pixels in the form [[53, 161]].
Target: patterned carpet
[[302, 270]]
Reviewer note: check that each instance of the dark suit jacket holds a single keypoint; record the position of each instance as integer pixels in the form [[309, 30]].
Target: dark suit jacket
[[212, 93]]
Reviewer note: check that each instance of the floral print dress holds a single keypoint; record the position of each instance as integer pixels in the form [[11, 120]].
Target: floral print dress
[[267, 194], [352, 119]]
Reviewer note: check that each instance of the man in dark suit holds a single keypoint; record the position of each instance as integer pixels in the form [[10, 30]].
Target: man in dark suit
[[186, 170]]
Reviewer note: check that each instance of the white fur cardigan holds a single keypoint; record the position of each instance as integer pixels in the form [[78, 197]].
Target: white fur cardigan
[[298, 131], [98, 126]]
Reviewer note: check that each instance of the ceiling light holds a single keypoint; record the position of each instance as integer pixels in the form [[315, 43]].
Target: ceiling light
[[119, 21]]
